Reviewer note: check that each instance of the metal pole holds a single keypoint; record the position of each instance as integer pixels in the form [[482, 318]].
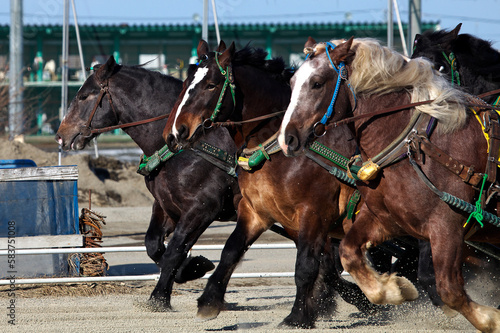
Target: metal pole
[[16, 120], [82, 63], [400, 25], [216, 23], [390, 25], [64, 68], [204, 27], [414, 25], [64, 61]]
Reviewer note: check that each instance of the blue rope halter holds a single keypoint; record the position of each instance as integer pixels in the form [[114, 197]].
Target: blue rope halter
[[342, 75]]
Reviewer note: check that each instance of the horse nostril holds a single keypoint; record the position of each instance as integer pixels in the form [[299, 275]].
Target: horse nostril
[[58, 139], [183, 132], [172, 143], [292, 142]]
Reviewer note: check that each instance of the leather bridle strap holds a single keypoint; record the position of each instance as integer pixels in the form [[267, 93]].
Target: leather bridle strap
[[85, 129], [135, 123], [377, 113], [397, 108]]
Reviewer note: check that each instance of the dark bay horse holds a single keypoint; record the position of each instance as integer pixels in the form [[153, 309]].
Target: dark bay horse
[[189, 192], [240, 86], [400, 198], [468, 61]]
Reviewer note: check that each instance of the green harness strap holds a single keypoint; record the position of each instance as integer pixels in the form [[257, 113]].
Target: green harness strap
[[148, 164], [214, 155], [455, 75], [336, 158]]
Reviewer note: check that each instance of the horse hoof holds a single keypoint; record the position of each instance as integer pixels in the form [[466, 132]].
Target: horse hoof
[[154, 305], [408, 290], [207, 313], [193, 268], [449, 312], [289, 322]]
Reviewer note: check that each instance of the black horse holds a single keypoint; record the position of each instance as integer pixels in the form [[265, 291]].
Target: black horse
[[189, 192], [468, 61]]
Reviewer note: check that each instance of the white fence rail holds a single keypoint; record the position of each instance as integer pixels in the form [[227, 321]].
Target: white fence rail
[[147, 277]]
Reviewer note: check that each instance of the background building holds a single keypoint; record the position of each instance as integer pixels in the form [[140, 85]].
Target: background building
[[166, 48]]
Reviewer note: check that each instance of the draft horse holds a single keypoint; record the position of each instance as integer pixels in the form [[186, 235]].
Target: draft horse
[[366, 81], [189, 192], [471, 64], [242, 86]]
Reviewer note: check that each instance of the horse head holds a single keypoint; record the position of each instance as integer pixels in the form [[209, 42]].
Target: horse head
[[88, 109], [437, 47], [317, 86], [206, 96]]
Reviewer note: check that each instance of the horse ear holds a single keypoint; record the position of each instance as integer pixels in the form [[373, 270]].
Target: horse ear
[[106, 70], [447, 40], [310, 42], [202, 49], [455, 31], [341, 51], [226, 57], [222, 47]]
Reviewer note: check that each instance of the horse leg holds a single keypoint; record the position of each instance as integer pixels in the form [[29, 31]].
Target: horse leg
[[380, 289], [160, 226], [426, 276], [329, 282], [189, 228], [447, 260], [310, 249], [248, 228]]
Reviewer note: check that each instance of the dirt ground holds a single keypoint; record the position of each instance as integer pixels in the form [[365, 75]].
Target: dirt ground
[[253, 305]]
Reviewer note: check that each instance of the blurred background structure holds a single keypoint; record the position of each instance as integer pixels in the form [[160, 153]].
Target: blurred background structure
[[37, 65]]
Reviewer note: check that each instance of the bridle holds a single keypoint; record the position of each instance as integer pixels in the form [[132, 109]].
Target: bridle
[[229, 81], [87, 131], [341, 75]]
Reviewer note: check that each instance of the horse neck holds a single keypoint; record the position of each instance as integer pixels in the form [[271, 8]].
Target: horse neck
[[479, 72], [261, 95], [375, 134], [138, 101]]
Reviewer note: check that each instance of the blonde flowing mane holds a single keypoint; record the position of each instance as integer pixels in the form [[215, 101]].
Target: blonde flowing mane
[[376, 69]]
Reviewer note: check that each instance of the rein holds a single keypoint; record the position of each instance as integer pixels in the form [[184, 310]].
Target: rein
[[264, 117], [405, 107], [86, 130]]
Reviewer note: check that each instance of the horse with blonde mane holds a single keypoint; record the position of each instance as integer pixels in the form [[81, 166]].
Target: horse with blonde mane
[[406, 118]]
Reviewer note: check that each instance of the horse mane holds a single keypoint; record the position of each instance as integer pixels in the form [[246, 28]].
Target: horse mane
[[478, 54], [256, 58], [376, 69]]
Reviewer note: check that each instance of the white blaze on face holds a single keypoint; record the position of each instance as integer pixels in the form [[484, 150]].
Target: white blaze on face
[[198, 76], [301, 76]]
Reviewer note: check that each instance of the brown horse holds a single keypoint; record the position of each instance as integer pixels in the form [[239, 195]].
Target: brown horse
[[189, 192], [400, 198], [241, 86]]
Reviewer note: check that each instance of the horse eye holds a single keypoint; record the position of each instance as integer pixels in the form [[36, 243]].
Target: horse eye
[[211, 86], [83, 97], [317, 85]]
